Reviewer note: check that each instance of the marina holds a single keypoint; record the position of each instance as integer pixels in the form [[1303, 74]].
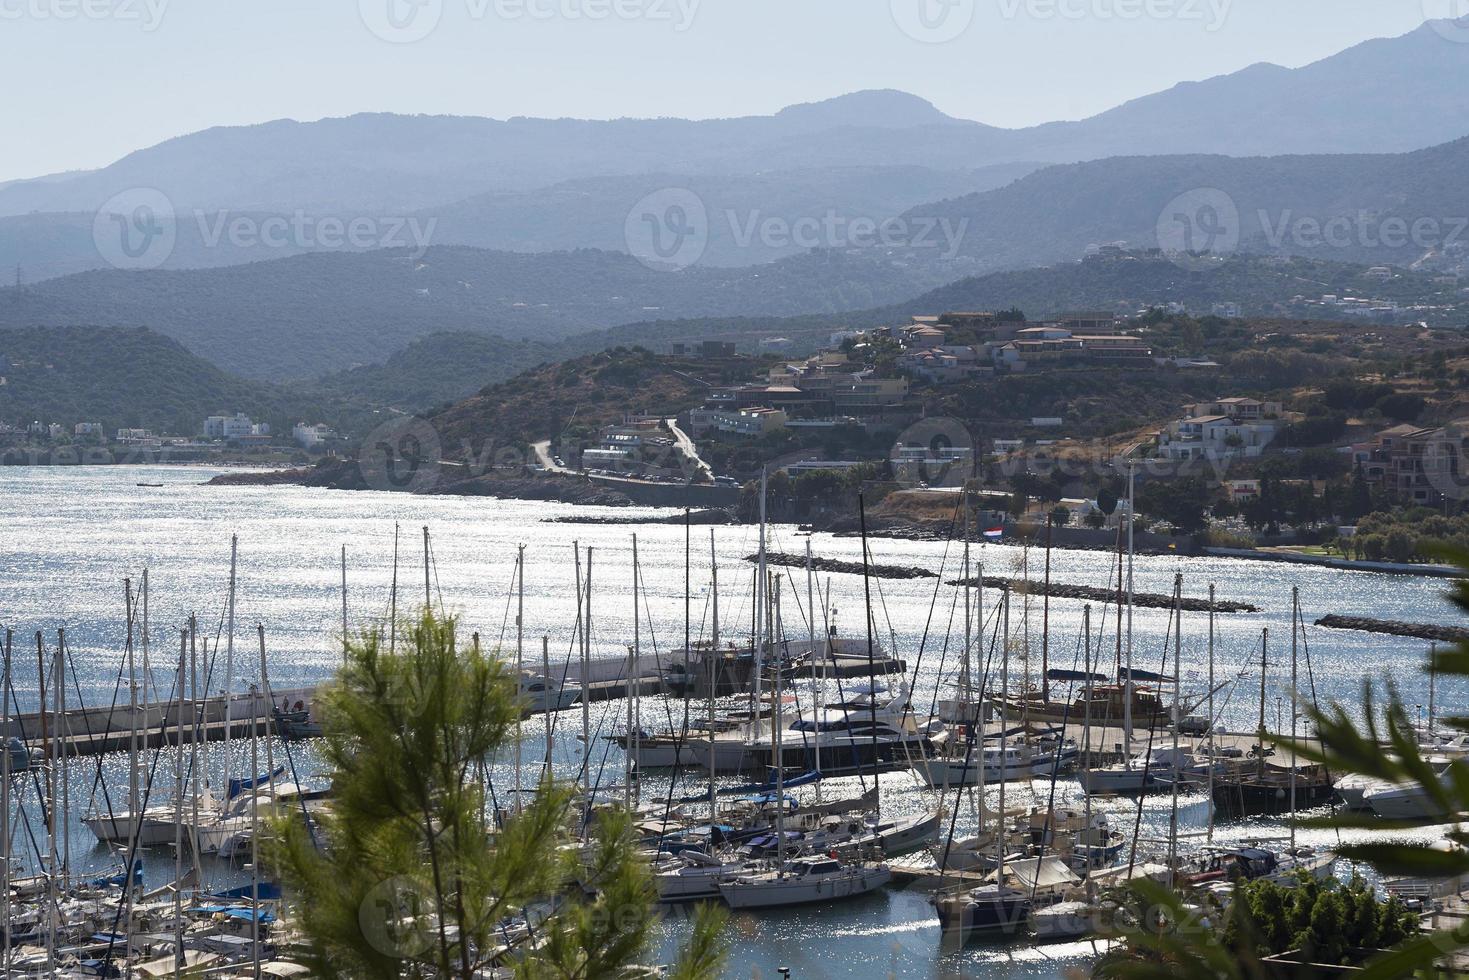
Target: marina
[[891, 847]]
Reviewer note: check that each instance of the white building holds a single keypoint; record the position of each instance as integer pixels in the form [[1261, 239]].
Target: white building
[[235, 427], [311, 436]]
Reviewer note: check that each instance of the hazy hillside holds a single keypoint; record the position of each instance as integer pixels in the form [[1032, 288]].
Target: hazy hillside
[[303, 316], [439, 368], [1055, 213], [749, 219], [128, 377], [1262, 286]]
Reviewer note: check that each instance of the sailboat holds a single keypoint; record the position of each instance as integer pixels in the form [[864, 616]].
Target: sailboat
[[1004, 904], [804, 880]]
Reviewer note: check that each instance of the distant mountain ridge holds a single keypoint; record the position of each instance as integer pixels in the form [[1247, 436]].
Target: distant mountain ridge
[[1375, 208], [1387, 94]]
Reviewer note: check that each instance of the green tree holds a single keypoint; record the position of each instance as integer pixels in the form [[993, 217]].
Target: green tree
[[406, 875]]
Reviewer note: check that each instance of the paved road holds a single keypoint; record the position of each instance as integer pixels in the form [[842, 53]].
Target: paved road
[[687, 447], [543, 456]]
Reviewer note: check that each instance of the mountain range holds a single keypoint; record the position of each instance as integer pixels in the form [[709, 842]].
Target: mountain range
[[546, 184]]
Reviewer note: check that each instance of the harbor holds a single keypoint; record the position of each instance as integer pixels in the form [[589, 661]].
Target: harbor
[[1062, 660]]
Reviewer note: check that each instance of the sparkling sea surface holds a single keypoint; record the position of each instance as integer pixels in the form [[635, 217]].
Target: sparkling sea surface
[[70, 535]]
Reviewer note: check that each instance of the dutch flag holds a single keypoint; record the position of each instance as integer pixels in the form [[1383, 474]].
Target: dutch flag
[[994, 533]]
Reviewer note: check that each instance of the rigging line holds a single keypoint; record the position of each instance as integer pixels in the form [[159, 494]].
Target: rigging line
[[1152, 734], [1046, 825], [986, 661], [933, 703], [680, 739], [97, 779], [519, 573]]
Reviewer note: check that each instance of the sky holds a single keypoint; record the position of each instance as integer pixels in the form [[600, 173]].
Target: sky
[[83, 82]]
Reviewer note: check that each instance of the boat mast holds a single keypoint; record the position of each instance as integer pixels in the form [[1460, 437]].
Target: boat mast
[[393, 599], [1127, 686], [871, 654], [1177, 701], [1004, 695], [759, 632], [1295, 630], [817, 663], [1046, 619], [344, 604], [428, 602], [715, 661], [520, 663], [178, 808], [546, 669], [777, 724], [229, 667], [629, 759], [1209, 837], [133, 797], [1264, 664], [254, 842], [1086, 742], [5, 803], [1432, 683]]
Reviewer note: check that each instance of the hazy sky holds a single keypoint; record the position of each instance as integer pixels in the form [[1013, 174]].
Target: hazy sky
[[83, 82]]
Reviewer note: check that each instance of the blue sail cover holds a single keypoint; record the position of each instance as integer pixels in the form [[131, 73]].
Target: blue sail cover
[[238, 786]]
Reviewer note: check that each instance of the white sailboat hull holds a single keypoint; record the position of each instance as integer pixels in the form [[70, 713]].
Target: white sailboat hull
[[772, 891]]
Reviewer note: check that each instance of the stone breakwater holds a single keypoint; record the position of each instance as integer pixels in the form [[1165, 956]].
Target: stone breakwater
[[1148, 600], [1421, 631]]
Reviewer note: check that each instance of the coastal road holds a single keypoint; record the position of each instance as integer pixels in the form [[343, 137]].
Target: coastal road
[[687, 447], [543, 456]]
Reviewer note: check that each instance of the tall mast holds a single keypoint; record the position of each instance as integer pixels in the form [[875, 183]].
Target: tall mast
[[1432, 683], [229, 673], [631, 755], [520, 662], [428, 602], [1264, 665], [1295, 618], [1177, 678], [1046, 618], [1127, 684], [1004, 694], [759, 607], [344, 604], [178, 810], [817, 661], [63, 734], [1210, 833], [5, 803], [871, 653], [133, 797], [393, 599], [1086, 742], [586, 675], [778, 723], [546, 669], [254, 842], [966, 684], [715, 662]]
